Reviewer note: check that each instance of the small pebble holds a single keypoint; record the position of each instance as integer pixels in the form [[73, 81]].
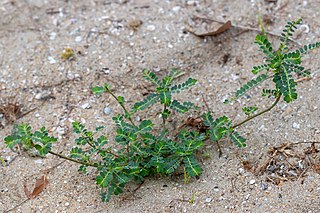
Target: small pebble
[[78, 39], [296, 125], [86, 106], [264, 186], [208, 200], [151, 27], [251, 182], [53, 35], [67, 204], [176, 9], [107, 110], [51, 60]]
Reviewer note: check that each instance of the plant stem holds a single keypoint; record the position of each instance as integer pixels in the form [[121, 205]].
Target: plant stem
[[123, 107], [260, 113], [163, 118], [71, 159]]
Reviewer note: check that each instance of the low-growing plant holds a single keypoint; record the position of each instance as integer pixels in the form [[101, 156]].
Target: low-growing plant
[[143, 149]]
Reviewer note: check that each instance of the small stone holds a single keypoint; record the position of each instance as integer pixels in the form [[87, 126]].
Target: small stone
[[107, 110], [296, 125], [208, 200], [251, 182], [86, 106], [51, 60], [78, 39], [43, 95], [264, 186], [151, 27], [67, 204], [60, 130], [53, 35], [38, 161], [170, 46], [176, 9]]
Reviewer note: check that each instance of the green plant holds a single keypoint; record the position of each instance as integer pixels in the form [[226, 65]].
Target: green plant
[[142, 149]]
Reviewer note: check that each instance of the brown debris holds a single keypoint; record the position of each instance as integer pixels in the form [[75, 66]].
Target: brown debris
[[40, 185]]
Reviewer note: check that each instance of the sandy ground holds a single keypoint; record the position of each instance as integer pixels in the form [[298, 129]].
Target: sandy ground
[[114, 40]]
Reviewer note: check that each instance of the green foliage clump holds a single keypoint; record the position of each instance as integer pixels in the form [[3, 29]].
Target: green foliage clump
[[143, 149]]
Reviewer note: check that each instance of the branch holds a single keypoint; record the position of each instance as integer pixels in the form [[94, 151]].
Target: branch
[[71, 159], [260, 113]]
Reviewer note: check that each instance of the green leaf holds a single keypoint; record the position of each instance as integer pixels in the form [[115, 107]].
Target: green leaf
[[181, 107], [151, 77], [165, 114], [78, 128], [288, 32], [257, 69], [105, 197], [191, 165], [309, 47], [165, 98], [104, 178], [178, 88], [172, 164], [43, 150], [148, 101], [249, 110], [78, 153], [145, 126], [264, 44], [293, 57], [12, 140], [98, 90], [285, 83], [251, 84], [101, 141], [120, 100], [235, 137]]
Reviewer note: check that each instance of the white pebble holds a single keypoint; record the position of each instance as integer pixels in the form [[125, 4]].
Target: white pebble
[[60, 130], [151, 27], [170, 46], [53, 35], [208, 200], [107, 110], [251, 182], [296, 125], [51, 60], [67, 204], [176, 9], [78, 39], [86, 106]]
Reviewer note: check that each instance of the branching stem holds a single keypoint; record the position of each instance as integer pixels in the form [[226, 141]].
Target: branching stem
[[260, 113], [71, 159], [123, 107]]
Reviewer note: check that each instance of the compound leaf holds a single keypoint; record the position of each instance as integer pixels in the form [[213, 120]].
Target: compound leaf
[[235, 137], [251, 84], [103, 179], [309, 47], [181, 107], [172, 164], [178, 88], [257, 69], [78, 153], [285, 83], [191, 165], [149, 100], [264, 44], [150, 76]]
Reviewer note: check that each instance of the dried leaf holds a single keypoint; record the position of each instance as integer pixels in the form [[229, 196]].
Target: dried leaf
[[215, 27], [41, 183]]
